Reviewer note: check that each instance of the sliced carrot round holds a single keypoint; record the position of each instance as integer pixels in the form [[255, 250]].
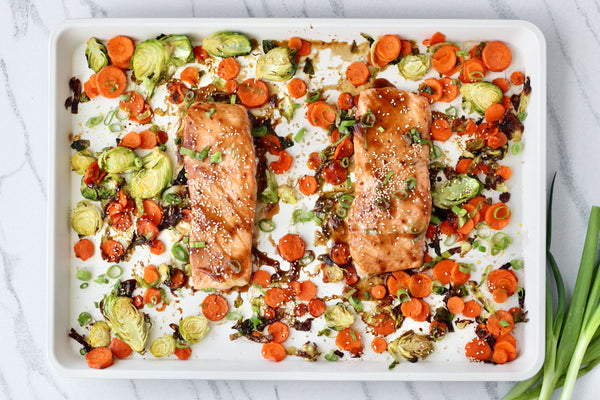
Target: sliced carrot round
[[120, 50], [99, 358], [273, 351], [383, 325], [449, 90], [345, 101], [420, 285], [440, 130], [279, 331], [500, 323], [274, 297], [321, 114], [442, 271], [308, 185], [308, 291], [253, 93], [396, 281], [388, 48], [111, 81], [215, 307], [478, 349], [296, 88], [472, 309], [379, 345], [497, 216], [133, 140], [349, 340], [378, 291], [496, 56], [316, 307], [84, 249], [358, 73], [334, 173], [444, 59], [291, 247], [190, 75], [228, 68], [456, 305], [262, 278], [494, 112]]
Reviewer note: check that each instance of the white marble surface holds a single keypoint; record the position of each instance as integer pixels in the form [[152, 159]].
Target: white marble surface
[[573, 39]]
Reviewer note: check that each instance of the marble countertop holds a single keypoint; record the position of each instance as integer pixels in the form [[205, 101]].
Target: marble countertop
[[573, 41]]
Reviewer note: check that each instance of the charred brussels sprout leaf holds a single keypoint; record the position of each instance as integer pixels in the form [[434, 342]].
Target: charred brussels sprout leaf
[[125, 320], [269, 195], [414, 67], [96, 54], [456, 191], [99, 334], [163, 346], [287, 194], [193, 328], [411, 346], [81, 160], [227, 44], [86, 218], [339, 317], [153, 178], [478, 96], [119, 159], [278, 65]]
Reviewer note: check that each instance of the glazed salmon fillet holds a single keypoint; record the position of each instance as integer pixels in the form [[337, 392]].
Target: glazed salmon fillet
[[222, 194], [392, 206]]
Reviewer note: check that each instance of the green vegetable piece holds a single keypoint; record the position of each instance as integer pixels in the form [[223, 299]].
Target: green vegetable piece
[[96, 54], [287, 194], [155, 176], [287, 107], [81, 160], [414, 67], [148, 62], [99, 334], [179, 48], [269, 195], [125, 320], [86, 218], [339, 317], [456, 191], [119, 159], [108, 186], [411, 346], [478, 96], [193, 328], [278, 65], [227, 44], [163, 346]]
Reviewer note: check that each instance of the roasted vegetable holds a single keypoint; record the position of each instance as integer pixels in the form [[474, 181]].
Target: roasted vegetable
[[119, 159], [96, 54], [287, 106], [278, 65], [193, 328], [414, 67], [179, 49], [411, 346], [269, 195], [478, 96], [127, 323], [456, 191], [148, 62], [99, 334], [339, 317], [81, 160], [227, 44], [163, 346], [153, 178], [287, 194], [86, 218]]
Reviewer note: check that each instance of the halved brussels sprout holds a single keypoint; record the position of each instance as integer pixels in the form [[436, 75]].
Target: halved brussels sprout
[[278, 65], [333, 273], [81, 160], [164, 272], [163, 346], [179, 48], [286, 107], [478, 96], [125, 320], [339, 317], [99, 334], [227, 44], [153, 178], [87, 192], [269, 195], [193, 328], [86, 218], [148, 63], [456, 191], [108, 186], [96, 54], [119, 159], [411, 346], [414, 67], [287, 194]]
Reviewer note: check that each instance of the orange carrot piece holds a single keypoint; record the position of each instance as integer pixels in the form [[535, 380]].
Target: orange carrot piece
[[472, 309], [308, 185], [316, 307], [84, 249], [262, 278], [440, 130], [442, 271], [496, 56], [148, 138], [111, 81], [517, 78], [151, 274], [228, 68], [274, 297], [120, 50], [215, 307], [478, 350], [349, 340], [190, 75], [291, 247], [345, 101], [119, 348], [456, 305], [358, 73], [279, 331], [296, 88], [420, 285], [133, 140], [497, 216], [495, 112], [253, 93], [273, 351], [379, 345], [99, 358], [308, 291]]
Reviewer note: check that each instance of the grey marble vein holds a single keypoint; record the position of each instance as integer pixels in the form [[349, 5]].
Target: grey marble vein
[[492, 390], [26, 136], [136, 394], [4, 388], [215, 390], [95, 9], [248, 9], [365, 390], [276, 392], [337, 6], [412, 390], [586, 18], [23, 11]]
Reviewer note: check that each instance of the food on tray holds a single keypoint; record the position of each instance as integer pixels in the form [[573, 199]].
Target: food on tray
[[325, 200], [392, 205]]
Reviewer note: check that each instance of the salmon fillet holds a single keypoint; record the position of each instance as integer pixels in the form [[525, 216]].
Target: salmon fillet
[[222, 194], [392, 206]]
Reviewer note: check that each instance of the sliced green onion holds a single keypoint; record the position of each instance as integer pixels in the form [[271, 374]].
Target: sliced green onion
[[436, 151], [387, 177], [173, 198], [483, 230], [504, 324], [331, 356], [516, 148], [342, 212], [522, 116], [417, 227], [368, 119], [345, 162], [125, 97], [296, 215], [180, 252], [94, 121], [186, 239], [311, 97], [476, 75], [435, 220], [260, 288], [200, 156], [119, 117], [115, 128], [84, 319], [235, 265], [83, 275], [498, 209], [371, 232], [381, 129], [101, 279], [307, 259], [451, 112], [298, 137], [348, 180], [341, 139], [516, 264], [383, 204], [438, 332], [437, 287], [401, 194], [355, 303], [352, 334], [402, 295], [346, 200], [233, 99], [233, 316], [197, 245], [82, 351], [109, 117], [266, 225], [314, 218], [500, 241], [464, 268], [114, 271], [189, 96], [216, 158], [451, 239], [461, 212], [344, 125], [84, 285], [259, 131], [411, 182], [461, 53]]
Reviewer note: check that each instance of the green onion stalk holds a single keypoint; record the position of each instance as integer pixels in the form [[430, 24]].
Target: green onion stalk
[[573, 333]]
